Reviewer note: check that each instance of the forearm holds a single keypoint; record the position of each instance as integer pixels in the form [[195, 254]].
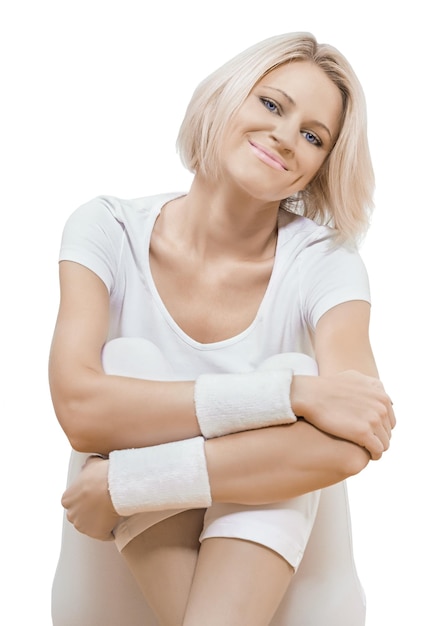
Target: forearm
[[253, 467], [100, 405], [278, 463], [102, 412], [105, 413]]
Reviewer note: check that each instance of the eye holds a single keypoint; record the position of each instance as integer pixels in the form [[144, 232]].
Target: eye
[[270, 105], [312, 138]]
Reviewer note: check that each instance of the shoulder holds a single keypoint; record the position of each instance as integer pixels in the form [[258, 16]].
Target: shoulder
[[302, 237], [106, 208], [302, 231], [328, 271], [96, 233]]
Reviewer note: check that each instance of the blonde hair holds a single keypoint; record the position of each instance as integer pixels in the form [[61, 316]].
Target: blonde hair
[[341, 193]]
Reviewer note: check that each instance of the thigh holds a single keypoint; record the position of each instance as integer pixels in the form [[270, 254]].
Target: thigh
[[247, 560], [162, 559], [327, 572], [283, 527], [236, 582]]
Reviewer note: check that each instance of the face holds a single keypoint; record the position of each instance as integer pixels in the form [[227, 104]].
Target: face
[[283, 132]]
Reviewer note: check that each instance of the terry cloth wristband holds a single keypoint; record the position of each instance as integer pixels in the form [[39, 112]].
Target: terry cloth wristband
[[168, 476], [230, 403]]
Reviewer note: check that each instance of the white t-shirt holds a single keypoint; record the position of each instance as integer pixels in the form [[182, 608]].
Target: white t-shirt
[[311, 275]]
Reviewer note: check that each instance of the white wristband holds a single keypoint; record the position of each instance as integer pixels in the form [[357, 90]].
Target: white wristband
[[169, 476], [230, 403]]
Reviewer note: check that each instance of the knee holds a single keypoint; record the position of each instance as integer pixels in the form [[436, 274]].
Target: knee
[[135, 357], [298, 362]]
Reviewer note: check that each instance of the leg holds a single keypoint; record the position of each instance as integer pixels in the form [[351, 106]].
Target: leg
[[249, 553], [92, 584], [327, 571], [162, 559], [240, 578], [236, 582]]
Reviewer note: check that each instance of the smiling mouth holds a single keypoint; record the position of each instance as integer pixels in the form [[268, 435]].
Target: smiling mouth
[[267, 157]]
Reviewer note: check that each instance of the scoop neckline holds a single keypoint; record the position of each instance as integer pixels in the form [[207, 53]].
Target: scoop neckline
[[216, 345]]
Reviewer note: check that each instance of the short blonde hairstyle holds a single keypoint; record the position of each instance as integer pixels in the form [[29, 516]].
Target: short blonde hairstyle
[[341, 194]]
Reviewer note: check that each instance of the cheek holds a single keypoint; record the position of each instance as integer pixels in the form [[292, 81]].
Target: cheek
[[315, 163], [248, 118], [311, 165], [231, 134]]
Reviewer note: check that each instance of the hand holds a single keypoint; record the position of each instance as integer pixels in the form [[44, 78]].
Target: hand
[[348, 405], [87, 501]]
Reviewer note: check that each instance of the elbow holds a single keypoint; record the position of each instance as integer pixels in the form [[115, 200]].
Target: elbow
[[80, 398], [82, 441], [353, 460], [77, 398], [78, 426]]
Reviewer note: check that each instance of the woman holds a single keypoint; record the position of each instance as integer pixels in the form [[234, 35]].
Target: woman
[[173, 311]]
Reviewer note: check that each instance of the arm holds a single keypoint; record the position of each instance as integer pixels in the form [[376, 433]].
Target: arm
[[100, 413], [272, 464], [254, 467], [350, 401], [284, 462]]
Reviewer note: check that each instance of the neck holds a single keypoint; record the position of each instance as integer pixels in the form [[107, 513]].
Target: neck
[[215, 220]]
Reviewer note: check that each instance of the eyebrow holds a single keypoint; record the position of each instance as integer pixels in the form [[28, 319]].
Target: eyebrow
[[288, 97]]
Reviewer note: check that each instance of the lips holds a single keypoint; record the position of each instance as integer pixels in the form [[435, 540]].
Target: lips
[[268, 157]]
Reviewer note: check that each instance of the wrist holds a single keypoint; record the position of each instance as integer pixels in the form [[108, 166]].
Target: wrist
[[302, 394], [99, 469], [229, 403], [157, 478]]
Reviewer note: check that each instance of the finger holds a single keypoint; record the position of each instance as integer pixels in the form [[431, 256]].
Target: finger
[[387, 419], [391, 412], [374, 446], [109, 537], [93, 458], [381, 427], [388, 432], [384, 435], [65, 500], [102, 534], [388, 429]]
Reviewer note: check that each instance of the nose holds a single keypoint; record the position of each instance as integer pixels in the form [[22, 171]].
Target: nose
[[286, 135]]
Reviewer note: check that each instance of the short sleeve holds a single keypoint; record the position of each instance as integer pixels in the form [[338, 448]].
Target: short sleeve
[[93, 237], [330, 275]]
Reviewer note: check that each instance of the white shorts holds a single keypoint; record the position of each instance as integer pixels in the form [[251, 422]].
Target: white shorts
[[283, 527], [94, 586]]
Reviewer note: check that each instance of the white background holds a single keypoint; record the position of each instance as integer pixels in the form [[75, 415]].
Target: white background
[[92, 95]]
